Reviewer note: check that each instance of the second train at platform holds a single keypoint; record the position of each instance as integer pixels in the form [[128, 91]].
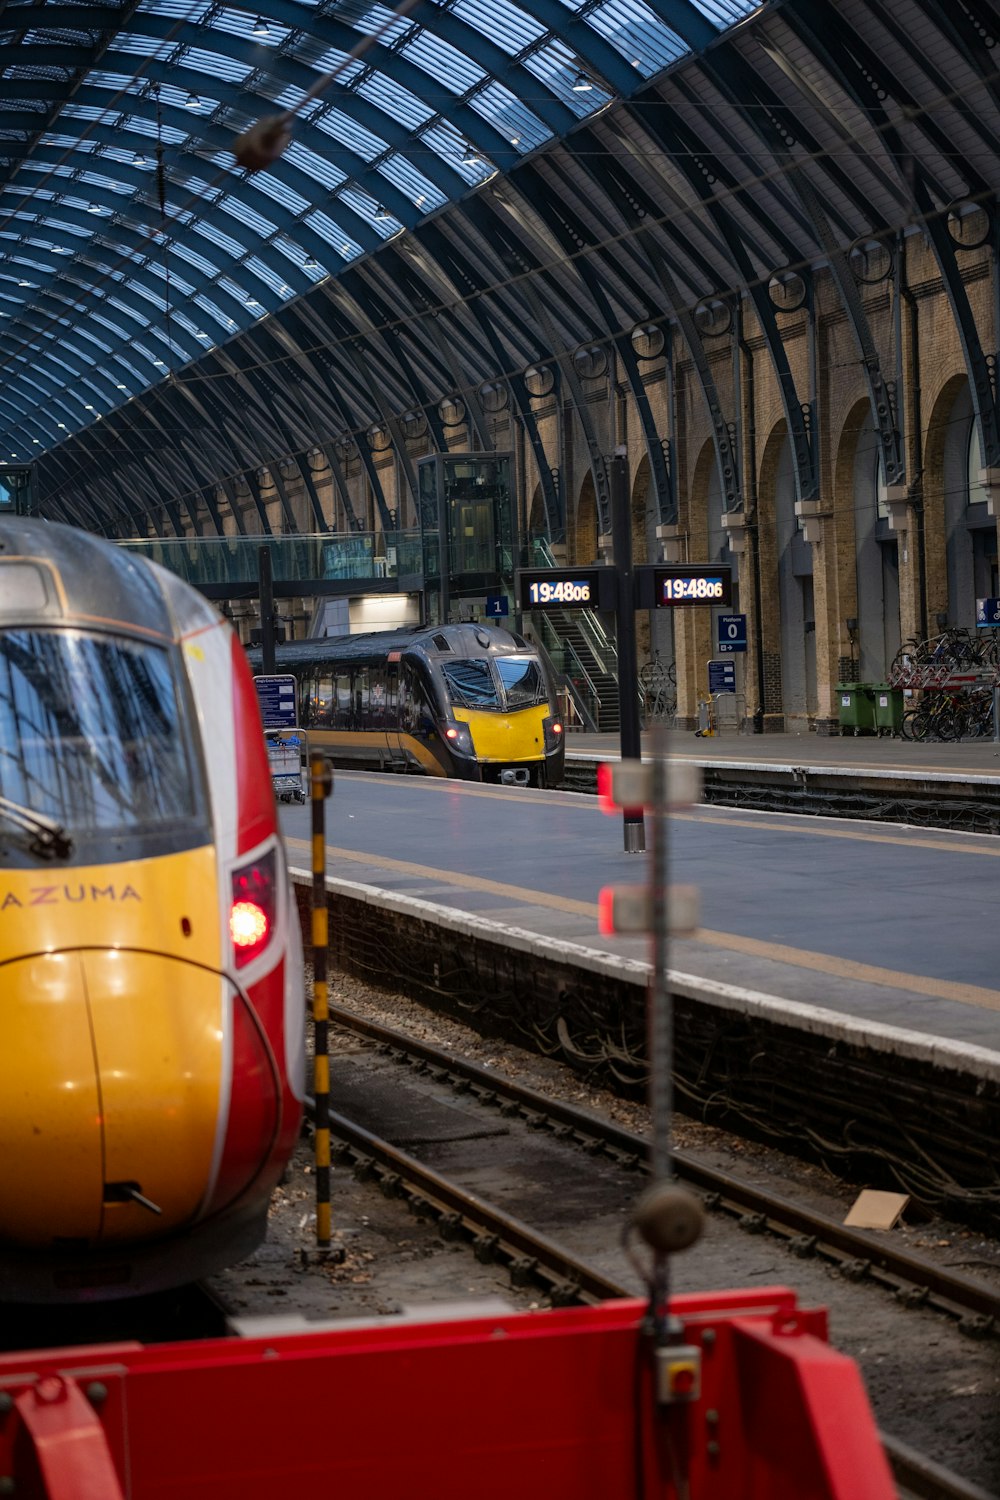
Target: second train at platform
[[463, 701]]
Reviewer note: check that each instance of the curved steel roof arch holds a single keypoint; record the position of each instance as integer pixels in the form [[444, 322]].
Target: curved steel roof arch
[[770, 121], [464, 88]]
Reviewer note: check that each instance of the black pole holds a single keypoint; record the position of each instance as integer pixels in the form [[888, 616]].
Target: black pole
[[628, 675], [444, 597], [266, 610]]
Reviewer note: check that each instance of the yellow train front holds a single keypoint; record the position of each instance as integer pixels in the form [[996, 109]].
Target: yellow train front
[[467, 701], [151, 1010]]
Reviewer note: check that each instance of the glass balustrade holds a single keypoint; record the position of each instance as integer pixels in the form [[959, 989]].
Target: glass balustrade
[[324, 555]]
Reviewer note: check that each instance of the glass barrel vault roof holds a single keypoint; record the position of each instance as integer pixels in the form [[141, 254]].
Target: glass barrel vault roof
[[130, 241]]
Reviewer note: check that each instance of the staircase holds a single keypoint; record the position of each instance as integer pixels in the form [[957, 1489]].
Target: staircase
[[601, 669], [582, 654]]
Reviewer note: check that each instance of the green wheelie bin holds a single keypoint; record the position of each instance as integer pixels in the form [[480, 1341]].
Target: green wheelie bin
[[856, 707], [888, 709]]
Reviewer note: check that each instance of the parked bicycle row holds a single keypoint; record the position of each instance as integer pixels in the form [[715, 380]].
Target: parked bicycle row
[[955, 647], [949, 715]]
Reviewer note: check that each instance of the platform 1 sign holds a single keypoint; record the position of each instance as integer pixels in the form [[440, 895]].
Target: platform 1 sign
[[987, 614], [497, 606], [732, 633], [722, 677], [276, 696]]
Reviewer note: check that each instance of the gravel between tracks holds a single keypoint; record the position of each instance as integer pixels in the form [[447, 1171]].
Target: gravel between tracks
[[930, 1385]]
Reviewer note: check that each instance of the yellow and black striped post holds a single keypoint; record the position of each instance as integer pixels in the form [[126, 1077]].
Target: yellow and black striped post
[[321, 781]]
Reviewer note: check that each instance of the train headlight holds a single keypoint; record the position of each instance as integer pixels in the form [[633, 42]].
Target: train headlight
[[553, 732], [252, 911], [459, 738]]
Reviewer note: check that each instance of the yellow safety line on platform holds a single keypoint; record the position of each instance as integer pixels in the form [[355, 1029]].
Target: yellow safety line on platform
[[846, 968], [800, 958], [464, 882], [863, 835]]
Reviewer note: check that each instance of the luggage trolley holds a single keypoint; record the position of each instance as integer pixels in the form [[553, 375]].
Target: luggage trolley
[[283, 736], [285, 753]]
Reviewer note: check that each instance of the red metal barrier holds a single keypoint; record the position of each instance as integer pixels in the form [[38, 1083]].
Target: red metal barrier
[[520, 1406]]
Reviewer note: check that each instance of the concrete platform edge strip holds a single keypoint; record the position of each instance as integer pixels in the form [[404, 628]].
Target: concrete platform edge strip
[[922, 777], [939, 1052]]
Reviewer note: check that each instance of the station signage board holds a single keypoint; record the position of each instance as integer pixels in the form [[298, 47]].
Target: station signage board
[[569, 587], [721, 677], [276, 696]]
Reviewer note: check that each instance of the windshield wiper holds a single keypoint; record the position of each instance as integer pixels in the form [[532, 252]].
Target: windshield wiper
[[48, 838]]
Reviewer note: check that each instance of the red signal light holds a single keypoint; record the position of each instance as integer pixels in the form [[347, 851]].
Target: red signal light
[[248, 924], [253, 909], [610, 777]]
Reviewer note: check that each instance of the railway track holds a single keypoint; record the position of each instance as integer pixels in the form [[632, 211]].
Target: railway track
[[858, 1256], [533, 1258]]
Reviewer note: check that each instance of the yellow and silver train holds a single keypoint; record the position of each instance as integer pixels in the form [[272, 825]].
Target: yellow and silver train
[[468, 701]]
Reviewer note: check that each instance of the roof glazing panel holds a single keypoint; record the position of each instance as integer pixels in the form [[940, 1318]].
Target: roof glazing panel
[[403, 129]]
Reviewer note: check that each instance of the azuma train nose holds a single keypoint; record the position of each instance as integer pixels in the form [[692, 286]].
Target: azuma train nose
[[114, 1080]]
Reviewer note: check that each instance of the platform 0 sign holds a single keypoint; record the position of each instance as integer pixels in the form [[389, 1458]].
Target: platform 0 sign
[[276, 696], [988, 614], [721, 677], [732, 633]]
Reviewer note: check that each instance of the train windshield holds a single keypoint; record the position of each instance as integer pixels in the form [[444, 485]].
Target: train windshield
[[91, 733], [502, 683], [522, 681]]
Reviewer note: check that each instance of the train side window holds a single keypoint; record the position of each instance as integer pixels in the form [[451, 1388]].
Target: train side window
[[407, 700], [322, 700], [376, 696], [342, 688], [361, 689]]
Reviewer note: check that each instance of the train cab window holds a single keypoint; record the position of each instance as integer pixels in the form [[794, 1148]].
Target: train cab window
[[506, 682], [93, 735], [471, 683], [522, 681]]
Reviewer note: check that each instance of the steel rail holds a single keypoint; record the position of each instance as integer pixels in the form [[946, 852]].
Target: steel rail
[[496, 1236], [859, 1254], [920, 1478]]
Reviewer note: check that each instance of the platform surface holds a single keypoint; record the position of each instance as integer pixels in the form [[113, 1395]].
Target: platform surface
[[890, 924], [931, 758]]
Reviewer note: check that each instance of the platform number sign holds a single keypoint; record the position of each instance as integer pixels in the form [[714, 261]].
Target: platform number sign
[[732, 633], [988, 614]]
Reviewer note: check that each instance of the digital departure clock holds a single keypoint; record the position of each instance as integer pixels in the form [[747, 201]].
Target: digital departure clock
[[667, 585], [566, 588]]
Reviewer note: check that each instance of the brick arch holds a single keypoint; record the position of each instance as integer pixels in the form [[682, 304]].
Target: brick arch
[[706, 467], [538, 525], [585, 529], [933, 486], [845, 454], [642, 523]]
